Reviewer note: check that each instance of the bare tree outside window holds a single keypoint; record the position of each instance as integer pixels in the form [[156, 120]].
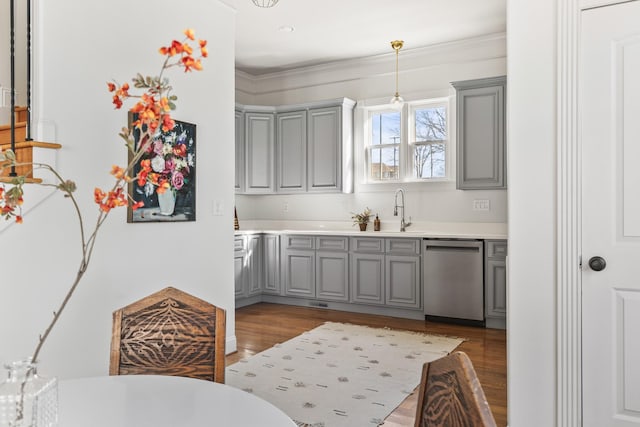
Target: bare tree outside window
[[430, 142], [407, 144]]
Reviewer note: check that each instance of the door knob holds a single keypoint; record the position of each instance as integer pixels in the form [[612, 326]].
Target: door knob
[[597, 263]]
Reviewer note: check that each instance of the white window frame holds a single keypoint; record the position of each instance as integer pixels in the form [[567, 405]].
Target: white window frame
[[407, 139]]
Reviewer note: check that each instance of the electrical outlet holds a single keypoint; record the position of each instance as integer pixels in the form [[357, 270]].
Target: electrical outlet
[[481, 205], [285, 207]]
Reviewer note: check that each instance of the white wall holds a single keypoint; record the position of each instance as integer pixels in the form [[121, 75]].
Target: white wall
[[531, 317], [79, 53], [425, 73]]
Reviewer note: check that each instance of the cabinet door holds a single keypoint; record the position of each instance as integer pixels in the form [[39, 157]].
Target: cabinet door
[[259, 153], [481, 134], [239, 273], [332, 275], [239, 177], [254, 265], [402, 281], [367, 278], [496, 291], [271, 264], [291, 149], [299, 273], [325, 149]]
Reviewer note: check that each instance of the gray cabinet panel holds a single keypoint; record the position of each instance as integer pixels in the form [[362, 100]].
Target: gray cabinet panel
[[239, 172], [259, 152], [254, 265], [324, 144], [496, 292], [403, 246], [240, 276], [271, 264], [299, 271], [332, 275], [367, 278], [299, 242], [332, 243], [481, 134], [495, 283], [291, 149], [367, 244], [402, 279]]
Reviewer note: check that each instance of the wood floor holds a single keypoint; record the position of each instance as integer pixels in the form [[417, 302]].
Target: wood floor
[[260, 326]]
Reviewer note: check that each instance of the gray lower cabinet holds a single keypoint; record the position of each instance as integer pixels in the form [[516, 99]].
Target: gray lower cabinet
[[495, 283], [271, 264], [239, 261], [254, 264], [332, 276], [402, 279], [481, 150], [316, 267], [247, 265], [367, 278], [299, 272], [386, 272]]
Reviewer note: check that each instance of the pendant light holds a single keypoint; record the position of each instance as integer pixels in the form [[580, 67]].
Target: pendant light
[[397, 45], [265, 3]]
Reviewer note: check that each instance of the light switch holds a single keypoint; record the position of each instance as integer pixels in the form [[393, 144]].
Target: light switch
[[217, 208], [481, 205]]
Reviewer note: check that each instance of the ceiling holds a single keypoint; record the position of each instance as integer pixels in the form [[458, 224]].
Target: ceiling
[[335, 30]]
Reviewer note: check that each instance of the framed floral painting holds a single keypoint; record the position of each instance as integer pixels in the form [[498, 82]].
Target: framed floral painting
[[167, 183]]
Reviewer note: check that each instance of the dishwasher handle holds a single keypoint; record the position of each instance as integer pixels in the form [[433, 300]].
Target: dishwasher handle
[[461, 245]]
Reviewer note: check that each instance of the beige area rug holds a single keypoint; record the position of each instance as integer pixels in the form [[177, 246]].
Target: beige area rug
[[340, 374]]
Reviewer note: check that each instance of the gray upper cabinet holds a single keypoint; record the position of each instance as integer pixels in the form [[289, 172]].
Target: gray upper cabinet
[[239, 178], [295, 148], [291, 151], [480, 130], [259, 153], [325, 155]]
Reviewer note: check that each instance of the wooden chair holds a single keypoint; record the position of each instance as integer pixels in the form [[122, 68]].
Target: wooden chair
[[169, 333], [451, 395]]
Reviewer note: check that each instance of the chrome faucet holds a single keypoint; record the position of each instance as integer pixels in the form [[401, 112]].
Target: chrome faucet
[[403, 224]]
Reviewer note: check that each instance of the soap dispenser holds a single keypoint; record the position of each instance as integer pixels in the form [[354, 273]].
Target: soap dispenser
[[376, 224]]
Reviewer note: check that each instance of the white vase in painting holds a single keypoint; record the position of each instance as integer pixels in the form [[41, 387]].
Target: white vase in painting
[[167, 202]]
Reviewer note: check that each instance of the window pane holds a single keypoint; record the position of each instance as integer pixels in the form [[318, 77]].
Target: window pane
[[431, 124], [385, 128], [429, 160], [384, 164]]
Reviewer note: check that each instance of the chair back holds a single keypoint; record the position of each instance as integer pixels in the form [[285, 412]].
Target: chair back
[[451, 395], [169, 333]]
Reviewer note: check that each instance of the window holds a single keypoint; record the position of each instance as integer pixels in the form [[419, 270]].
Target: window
[[409, 144]]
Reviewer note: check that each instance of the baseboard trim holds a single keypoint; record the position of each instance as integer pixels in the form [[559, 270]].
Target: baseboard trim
[[231, 345]]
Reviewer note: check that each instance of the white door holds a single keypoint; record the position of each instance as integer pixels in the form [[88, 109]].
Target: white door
[[610, 134]]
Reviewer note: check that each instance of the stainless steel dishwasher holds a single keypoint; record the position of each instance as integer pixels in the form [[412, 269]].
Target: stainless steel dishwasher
[[453, 280]]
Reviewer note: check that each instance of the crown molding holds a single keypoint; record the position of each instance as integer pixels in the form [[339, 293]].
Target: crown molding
[[466, 50]]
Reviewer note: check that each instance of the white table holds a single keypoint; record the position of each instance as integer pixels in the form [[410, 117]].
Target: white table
[[162, 401]]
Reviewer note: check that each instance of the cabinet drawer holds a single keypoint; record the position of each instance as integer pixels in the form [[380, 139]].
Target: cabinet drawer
[[367, 244], [299, 242], [496, 248], [403, 246], [332, 243], [238, 243]]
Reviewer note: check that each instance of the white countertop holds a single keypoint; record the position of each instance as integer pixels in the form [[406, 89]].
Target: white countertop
[[450, 230]]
